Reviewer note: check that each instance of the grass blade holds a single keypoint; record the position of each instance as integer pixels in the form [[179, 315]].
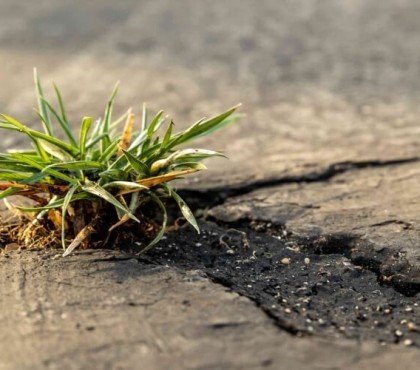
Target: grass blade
[[100, 192], [66, 201], [124, 185], [43, 168], [41, 105], [83, 234], [127, 135], [144, 118], [77, 166], [161, 232], [106, 141], [62, 122], [33, 134], [137, 164], [186, 211], [86, 124]]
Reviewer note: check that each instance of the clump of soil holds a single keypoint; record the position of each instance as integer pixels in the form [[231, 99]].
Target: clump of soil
[[304, 291], [96, 217]]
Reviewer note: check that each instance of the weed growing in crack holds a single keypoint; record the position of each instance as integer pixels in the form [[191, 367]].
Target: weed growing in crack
[[103, 179]]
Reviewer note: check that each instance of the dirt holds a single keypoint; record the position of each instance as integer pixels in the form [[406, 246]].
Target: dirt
[[306, 289]]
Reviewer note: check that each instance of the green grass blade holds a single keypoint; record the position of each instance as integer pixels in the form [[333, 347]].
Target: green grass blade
[[86, 124], [109, 151], [154, 125], [8, 192], [57, 203], [43, 168], [62, 107], [93, 141], [77, 166], [33, 134], [14, 176], [137, 165], [167, 136], [161, 232], [186, 211], [15, 125], [205, 127], [54, 151], [62, 122], [41, 105], [51, 205], [106, 141], [96, 189], [144, 118], [66, 202]]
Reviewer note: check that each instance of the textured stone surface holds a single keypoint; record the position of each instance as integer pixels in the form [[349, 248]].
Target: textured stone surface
[[93, 311], [326, 86], [373, 210]]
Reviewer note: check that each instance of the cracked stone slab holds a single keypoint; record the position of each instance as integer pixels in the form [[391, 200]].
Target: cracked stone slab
[[106, 309], [376, 210]]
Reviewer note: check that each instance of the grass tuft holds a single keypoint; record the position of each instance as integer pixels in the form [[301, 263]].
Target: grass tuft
[[107, 177]]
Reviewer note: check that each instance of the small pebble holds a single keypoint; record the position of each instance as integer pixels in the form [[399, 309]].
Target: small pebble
[[398, 333], [288, 310], [408, 342], [408, 309], [412, 327], [285, 261], [11, 247], [307, 261]]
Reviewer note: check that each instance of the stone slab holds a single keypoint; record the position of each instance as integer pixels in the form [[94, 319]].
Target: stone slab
[[375, 210], [103, 310]]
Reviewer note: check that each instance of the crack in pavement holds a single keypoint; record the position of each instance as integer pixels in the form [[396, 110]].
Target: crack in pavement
[[217, 195], [316, 290], [360, 251]]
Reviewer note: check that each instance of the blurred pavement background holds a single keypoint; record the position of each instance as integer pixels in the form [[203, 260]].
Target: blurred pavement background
[[321, 81]]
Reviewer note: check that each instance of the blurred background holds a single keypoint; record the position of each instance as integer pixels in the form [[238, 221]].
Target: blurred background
[[321, 81]]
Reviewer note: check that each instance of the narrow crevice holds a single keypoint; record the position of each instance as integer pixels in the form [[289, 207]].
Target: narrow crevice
[[278, 321], [341, 244], [305, 286], [215, 196]]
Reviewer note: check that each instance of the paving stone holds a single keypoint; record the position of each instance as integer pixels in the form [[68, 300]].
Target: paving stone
[[104, 310], [374, 211]]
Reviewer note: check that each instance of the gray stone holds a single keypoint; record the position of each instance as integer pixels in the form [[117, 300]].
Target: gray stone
[[104, 310], [374, 210]]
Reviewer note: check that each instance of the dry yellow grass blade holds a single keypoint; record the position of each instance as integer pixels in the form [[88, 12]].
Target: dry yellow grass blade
[[81, 236], [127, 134], [156, 180], [153, 181]]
